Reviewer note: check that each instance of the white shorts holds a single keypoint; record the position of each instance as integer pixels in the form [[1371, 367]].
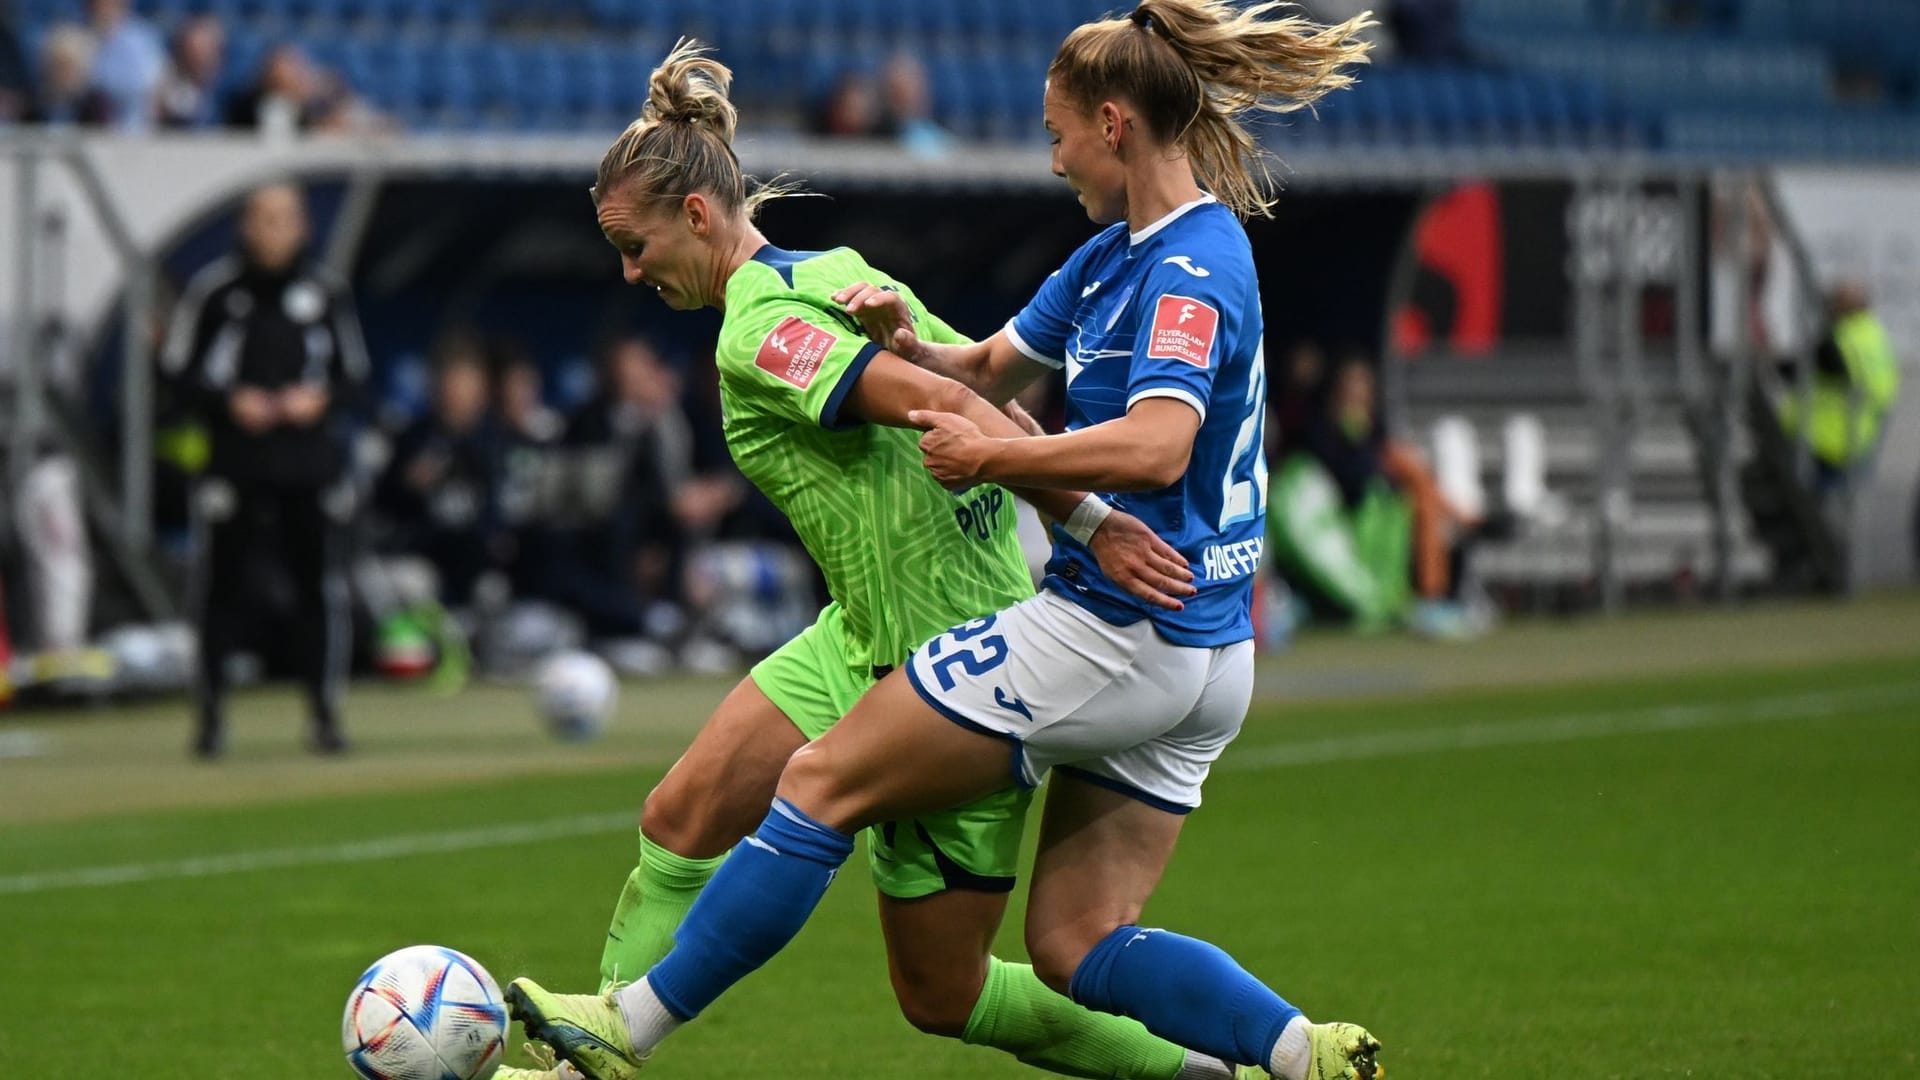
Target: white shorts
[[1119, 706]]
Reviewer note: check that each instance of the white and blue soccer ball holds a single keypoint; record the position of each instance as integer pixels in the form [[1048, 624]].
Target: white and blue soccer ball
[[425, 1013], [575, 692]]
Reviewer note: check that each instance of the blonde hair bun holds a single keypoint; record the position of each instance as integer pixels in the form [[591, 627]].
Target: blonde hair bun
[[691, 87]]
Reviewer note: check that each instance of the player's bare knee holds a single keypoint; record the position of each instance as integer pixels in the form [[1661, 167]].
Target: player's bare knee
[[673, 818], [1056, 969], [816, 784], [1056, 951], [936, 1006]]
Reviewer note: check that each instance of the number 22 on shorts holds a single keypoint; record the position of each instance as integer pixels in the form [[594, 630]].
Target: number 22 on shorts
[[970, 650]]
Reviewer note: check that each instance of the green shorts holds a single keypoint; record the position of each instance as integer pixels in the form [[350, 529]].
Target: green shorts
[[976, 847]]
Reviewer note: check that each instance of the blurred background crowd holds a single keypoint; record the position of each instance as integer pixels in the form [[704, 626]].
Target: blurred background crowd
[[1571, 303]]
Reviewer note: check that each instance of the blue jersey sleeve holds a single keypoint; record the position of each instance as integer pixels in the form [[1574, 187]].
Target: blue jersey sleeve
[[1189, 316], [1042, 328]]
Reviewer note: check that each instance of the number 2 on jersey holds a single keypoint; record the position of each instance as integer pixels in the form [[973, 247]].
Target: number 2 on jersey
[[1246, 498]]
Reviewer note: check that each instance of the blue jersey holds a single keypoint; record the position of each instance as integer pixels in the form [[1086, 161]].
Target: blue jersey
[[1171, 311]]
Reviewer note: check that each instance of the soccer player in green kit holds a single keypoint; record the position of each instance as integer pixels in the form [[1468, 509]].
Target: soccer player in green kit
[[816, 417]]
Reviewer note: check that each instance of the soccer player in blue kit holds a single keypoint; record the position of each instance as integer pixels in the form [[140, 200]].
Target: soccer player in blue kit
[[1157, 322]]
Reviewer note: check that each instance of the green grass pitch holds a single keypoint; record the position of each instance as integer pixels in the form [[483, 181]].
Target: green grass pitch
[[1704, 867]]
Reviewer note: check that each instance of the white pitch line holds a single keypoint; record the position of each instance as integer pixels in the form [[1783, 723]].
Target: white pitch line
[[1568, 728], [392, 847], [1546, 729]]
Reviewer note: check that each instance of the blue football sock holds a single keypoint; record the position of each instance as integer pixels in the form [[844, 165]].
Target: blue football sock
[[757, 901], [1185, 991]]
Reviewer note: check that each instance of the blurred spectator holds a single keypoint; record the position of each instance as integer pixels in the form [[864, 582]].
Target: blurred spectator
[[16, 81], [529, 468], [635, 427], [1354, 512], [268, 346], [909, 107], [189, 92], [1339, 533], [520, 394], [67, 96], [284, 97], [1441, 530], [290, 95], [622, 568], [129, 64], [851, 109], [440, 490], [1856, 379], [1296, 400]]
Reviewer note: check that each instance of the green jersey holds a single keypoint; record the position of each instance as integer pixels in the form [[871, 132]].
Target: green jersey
[[905, 558]]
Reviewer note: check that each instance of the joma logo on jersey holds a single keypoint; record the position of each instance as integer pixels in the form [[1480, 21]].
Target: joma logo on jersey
[[794, 349], [1183, 329]]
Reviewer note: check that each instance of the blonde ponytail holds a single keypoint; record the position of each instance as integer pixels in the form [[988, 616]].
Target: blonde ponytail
[[1195, 68]]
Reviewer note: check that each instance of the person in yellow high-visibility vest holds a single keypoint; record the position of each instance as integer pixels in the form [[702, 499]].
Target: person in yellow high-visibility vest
[[1856, 379]]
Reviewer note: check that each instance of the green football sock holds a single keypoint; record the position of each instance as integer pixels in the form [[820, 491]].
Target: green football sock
[[1017, 1013], [651, 905]]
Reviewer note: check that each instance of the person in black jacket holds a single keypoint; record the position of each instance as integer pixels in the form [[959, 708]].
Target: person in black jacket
[[441, 490], [267, 346]]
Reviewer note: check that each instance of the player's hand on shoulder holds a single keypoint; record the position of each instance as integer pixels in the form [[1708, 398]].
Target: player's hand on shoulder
[[1135, 558], [885, 316], [955, 450]]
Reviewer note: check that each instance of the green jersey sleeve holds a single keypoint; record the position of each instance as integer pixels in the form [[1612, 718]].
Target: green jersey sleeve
[[788, 357]]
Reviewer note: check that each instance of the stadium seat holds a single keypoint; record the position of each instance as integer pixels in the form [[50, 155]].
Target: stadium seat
[[1560, 73], [1456, 464], [448, 91], [1524, 477], [589, 81]]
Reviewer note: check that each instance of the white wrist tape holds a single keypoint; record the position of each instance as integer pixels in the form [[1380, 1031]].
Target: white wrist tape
[[1086, 518]]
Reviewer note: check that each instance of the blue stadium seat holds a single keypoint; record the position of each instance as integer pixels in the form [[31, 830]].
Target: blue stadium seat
[[1527, 14], [540, 83], [1497, 109], [259, 11], [394, 77], [448, 90], [490, 67], [1336, 119], [328, 51], [1362, 114], [1744, 78], [588, 89]]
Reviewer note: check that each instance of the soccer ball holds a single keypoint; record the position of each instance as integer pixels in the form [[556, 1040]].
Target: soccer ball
[[425, 1013], [575, 693]]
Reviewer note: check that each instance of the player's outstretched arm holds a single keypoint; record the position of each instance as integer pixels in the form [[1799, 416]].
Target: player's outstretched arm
[[993, 369], [891, 390], [1144, 450]]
